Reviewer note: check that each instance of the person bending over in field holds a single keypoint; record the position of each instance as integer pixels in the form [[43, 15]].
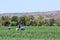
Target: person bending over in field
[[20, 27]]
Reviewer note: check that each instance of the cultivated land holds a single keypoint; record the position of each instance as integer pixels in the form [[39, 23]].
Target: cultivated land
[[31, 33]]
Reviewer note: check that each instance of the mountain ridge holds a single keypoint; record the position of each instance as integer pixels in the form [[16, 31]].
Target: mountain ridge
[[49, 14]]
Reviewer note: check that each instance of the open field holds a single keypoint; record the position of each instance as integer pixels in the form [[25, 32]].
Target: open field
[[31, 33]]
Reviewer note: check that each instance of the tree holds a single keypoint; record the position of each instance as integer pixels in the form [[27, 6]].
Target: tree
[[33, 23], [6, 23], [39, 23], [30, 20], [1, 22], [5, 20], [13, 23], [14, 18], [45, 21], [23, 20], [51, 22], [58, 22], [40, 18], [31, 17]]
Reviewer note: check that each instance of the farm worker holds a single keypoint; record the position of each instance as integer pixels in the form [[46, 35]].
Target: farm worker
[[20, 27]]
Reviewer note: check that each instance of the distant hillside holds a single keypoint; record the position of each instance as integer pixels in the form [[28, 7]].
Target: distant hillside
[[49, 14]]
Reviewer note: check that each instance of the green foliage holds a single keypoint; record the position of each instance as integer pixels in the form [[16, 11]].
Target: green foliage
[[51, 22], [28, 20], [40, 17], [14, 18], [45, 22], [33, 23], [31, 17], [3, 18], [6, 23], [58, 22], [28, 23], [23, 20], [39, 23], [13, 23], [1, 22]]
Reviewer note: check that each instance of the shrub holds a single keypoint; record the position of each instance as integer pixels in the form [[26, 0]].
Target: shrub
[[39, 23], [51, 22], [6, 23], [58, 22], [13, 23]]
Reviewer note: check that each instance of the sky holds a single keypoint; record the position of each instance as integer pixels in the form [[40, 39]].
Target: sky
[[29, 5]]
